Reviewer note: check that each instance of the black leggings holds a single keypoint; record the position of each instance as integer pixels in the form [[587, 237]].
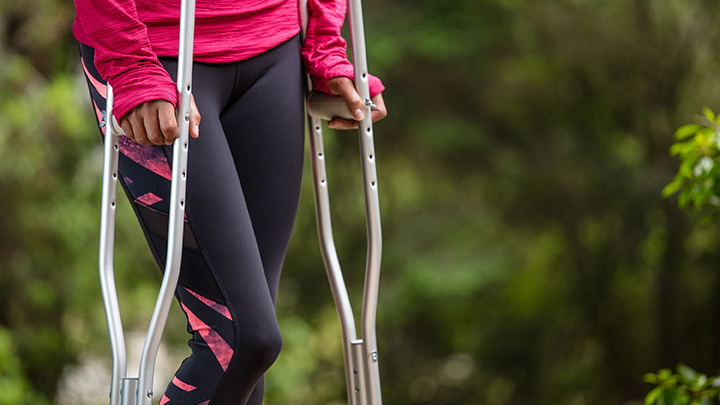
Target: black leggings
[[243, 186]]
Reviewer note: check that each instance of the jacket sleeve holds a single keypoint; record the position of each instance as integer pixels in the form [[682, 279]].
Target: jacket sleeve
[[324, 49], [123, 55]]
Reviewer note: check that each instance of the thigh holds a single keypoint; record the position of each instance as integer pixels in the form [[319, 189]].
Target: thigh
[[217, 208], [265, 132]]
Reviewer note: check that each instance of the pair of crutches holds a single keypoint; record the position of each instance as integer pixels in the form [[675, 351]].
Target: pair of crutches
[[361, 356]]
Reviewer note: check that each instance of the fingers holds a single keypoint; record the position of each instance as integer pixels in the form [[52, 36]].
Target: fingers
[[377, 114], [194, 119], [380, 111], [143, 123], [134, 128], [344, 87], [154, 123], [127, 128], [167, 124]]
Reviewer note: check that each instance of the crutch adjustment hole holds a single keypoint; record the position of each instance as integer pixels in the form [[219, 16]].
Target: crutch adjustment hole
[[114, 175], [370, 157], [368, 129], [182, 203], [364, 75], [185, 146], [188, 87], [115, 146], [187, 117], [372, 184], [322, 181], [112, 203], [317, 128], [320, 154], [183, 174]]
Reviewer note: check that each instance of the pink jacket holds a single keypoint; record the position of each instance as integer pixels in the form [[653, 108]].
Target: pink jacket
[[129, 35]]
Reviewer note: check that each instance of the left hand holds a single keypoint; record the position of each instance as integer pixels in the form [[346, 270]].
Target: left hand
[[345, 88]]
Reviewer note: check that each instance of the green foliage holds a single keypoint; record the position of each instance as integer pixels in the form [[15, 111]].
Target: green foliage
[[527, 257], [14, 388], [686, 387], [698, 178]]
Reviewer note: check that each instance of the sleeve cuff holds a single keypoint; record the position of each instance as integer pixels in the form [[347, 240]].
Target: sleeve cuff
[[346, 70], [135, 91]]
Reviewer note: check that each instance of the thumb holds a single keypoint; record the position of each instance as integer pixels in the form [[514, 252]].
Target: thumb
[[344, 87]]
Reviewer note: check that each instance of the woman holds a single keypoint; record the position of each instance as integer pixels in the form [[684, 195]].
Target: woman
[[243, 172]]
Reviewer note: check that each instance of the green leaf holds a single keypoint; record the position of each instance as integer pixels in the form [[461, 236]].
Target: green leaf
[[652, 396], [686, 131], [676, 149], [684, 198], [651, 378], [682, 398], [686, 171], [664, 374], [709, 115], [673, 187], [706, 133], [688, 374]]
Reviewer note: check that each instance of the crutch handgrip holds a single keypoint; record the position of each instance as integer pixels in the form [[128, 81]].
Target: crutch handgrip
[[327, 107], [118, 131], [116, 128]]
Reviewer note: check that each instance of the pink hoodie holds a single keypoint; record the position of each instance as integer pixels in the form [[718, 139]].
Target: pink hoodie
[[129, 35]]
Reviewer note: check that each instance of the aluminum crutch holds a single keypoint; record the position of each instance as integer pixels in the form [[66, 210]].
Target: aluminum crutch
[[361, 356], [138, 391]]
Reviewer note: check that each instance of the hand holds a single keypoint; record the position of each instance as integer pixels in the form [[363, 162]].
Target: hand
[[345, 88], [153, 123]]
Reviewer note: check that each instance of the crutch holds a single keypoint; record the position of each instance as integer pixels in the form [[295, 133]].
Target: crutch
[[362, 373], [138, 391]]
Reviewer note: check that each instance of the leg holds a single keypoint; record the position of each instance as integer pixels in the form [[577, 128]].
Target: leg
[[265, 129], [218, 207], [237, 233]]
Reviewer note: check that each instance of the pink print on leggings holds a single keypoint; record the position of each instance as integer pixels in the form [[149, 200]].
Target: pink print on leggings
[[221, 309], [223, 352], [149, 157]]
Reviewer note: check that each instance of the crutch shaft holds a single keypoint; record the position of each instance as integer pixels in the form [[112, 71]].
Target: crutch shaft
[[106, 256], [177, 205], [361, 356], [138, 391], [372, 207], [329, 254]]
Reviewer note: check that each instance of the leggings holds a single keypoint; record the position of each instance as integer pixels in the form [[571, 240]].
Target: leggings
[[243, 186]]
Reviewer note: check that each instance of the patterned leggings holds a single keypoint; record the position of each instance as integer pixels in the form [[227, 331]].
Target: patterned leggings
[[243, 186]]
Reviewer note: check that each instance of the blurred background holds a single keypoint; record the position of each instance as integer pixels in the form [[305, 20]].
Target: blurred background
[[529, 256]]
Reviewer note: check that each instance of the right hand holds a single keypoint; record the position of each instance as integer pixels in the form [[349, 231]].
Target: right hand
[[345, 88], [153, 123]]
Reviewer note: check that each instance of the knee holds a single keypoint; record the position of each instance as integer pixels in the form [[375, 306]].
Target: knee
[[260, 348]]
